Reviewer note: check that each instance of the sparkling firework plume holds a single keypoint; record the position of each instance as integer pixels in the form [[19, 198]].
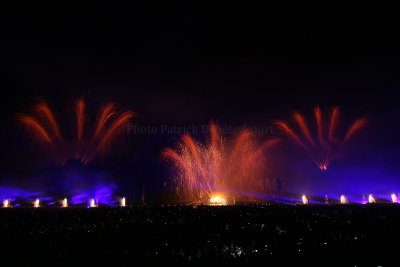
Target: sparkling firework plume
[[88, 143], [228, 165], [325, 144]]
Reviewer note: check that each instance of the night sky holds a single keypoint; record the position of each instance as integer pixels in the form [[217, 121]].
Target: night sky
[[187, 63]]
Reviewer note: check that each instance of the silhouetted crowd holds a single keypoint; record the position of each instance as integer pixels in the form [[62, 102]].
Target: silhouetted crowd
[[274, 235]]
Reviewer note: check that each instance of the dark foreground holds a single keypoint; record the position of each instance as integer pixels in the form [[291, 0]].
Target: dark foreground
[[344, 235]]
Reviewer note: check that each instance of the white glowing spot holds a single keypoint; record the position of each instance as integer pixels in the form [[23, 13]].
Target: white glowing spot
[[343, 199], [305, 199], [65, 203], [92, 203], [6, 203], [371, 198], [36, 203], [217, 201], [123, 202], [394, 198]]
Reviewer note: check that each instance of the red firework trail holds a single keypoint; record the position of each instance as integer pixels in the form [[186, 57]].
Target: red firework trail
[[110, 123], [324, 148], [235, 165], [80, 120], [37, 128]]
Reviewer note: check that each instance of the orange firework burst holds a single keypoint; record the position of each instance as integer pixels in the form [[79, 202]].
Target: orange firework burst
[[325, 144], [110, 123], [234, 165]]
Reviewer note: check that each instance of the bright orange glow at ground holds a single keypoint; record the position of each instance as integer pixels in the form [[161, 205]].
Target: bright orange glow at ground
[[218, 201]]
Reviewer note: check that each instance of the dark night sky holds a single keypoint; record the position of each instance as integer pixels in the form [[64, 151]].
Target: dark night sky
[[191, 62]]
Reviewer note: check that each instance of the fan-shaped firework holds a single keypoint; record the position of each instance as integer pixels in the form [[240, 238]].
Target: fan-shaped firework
[[110, 123], [233, 166], [325, 144]]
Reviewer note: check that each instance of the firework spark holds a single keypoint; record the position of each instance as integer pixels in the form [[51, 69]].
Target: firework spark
[[92, 203], [371, 198], [36, 204], [343, 199], [394, 197], [324, 146], [89, 141], [235, 165], [65, 203], [6, 203], [304, 199]]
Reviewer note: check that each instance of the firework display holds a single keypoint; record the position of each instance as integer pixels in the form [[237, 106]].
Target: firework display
[[196, 134], [216, 169], [325, 144], [236, 166], [89, 141]]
